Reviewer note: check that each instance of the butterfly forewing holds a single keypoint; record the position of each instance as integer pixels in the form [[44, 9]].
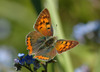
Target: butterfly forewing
[[43, 23], [34, 40], [64, 45]]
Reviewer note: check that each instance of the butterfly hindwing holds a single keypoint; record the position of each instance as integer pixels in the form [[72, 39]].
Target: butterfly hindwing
[[64, 45], [34, 40], [46, 54], [43, 23]]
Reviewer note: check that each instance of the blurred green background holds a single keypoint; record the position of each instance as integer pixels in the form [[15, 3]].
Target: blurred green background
[[17, 18]]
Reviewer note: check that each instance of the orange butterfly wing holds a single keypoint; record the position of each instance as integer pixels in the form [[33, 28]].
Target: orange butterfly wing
[[43, 23], [64, 45]]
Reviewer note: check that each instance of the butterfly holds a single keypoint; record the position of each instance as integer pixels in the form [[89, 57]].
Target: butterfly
[[42, 43]]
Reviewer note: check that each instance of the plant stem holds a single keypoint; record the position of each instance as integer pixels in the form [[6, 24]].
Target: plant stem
[[64, 59], [27, 68], [46, 66]]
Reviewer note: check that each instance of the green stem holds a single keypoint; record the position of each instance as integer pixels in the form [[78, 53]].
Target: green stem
[[64, 58], [28, 68]]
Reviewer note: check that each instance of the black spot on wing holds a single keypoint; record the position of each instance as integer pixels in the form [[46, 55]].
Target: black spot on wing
[[48, 28], [47, 23], [62, 42], [41, 23], [40, 27], [66, 43]]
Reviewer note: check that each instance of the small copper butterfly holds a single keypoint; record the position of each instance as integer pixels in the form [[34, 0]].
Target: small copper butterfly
[[42, 43]]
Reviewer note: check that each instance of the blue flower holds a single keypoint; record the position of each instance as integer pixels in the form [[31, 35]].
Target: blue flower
[[21, 55], [29, 59], [22, 61]]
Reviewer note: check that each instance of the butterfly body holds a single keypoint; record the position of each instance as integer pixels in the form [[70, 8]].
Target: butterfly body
[[42, 43], [50, 41]]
